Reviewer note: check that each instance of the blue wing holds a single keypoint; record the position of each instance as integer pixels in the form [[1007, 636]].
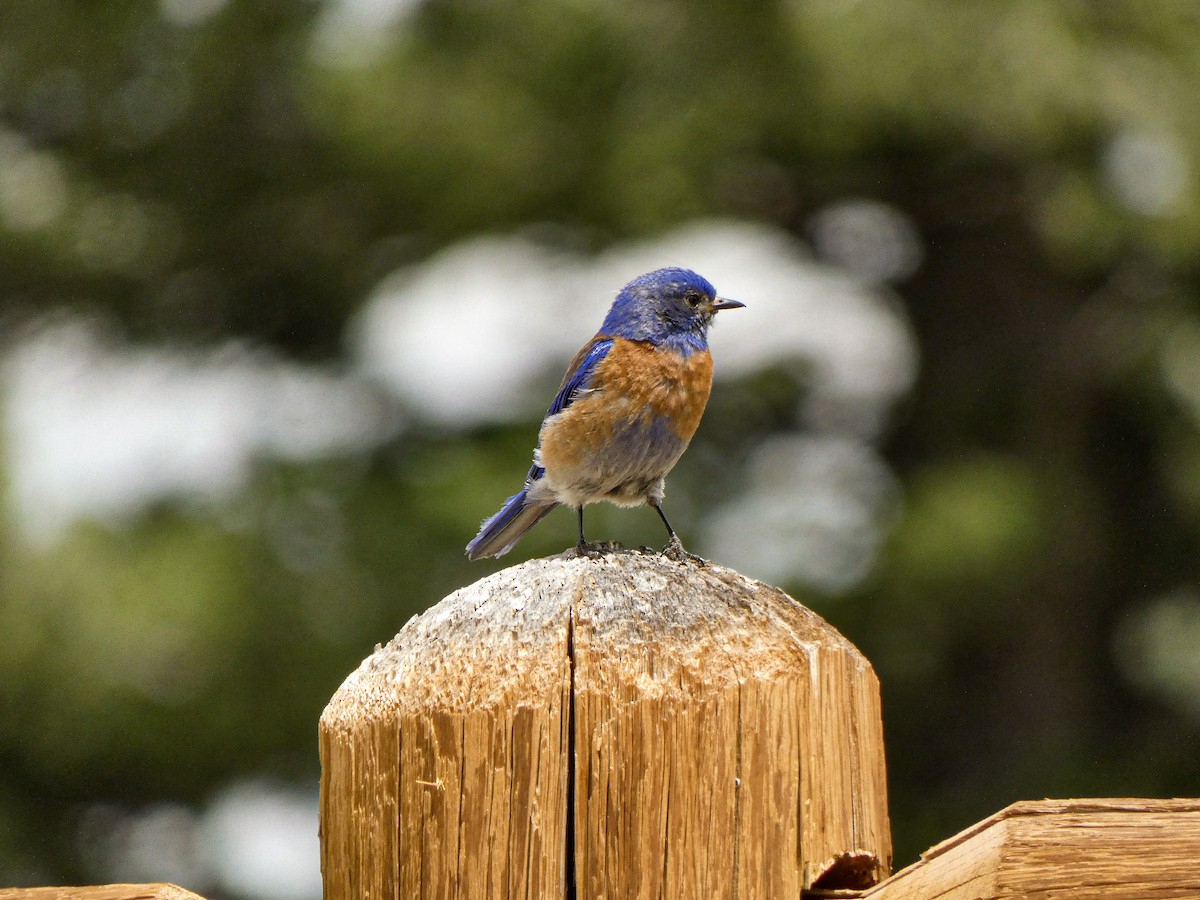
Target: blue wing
[[579, 374]]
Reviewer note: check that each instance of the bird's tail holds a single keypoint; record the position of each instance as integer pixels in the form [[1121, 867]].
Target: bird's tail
[[498, 534]]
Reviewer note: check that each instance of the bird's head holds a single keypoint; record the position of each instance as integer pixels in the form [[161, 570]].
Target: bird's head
[[666, 306]]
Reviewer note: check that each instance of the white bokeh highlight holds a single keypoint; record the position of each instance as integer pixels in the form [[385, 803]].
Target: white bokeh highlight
[[1148, 170], [97, 430], [261, 841], [34, 192], [355, 33], [1155, 648], [869, 238], [814, 509], [257, 839]]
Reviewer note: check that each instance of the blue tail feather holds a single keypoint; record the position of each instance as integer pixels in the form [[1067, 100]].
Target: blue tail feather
[[498, 534]]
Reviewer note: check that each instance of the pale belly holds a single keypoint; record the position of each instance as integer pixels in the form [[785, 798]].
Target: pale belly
[[625, 463]]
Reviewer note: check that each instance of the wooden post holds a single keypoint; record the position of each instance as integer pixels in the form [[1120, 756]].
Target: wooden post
[[627, 726]]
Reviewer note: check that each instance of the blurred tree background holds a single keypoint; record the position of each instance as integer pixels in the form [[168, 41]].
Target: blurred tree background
[[202, 197]]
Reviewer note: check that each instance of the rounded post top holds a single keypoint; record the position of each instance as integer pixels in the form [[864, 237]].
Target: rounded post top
[[508, 636]]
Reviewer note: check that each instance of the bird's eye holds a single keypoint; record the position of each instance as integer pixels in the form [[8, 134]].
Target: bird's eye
[[692, 299]]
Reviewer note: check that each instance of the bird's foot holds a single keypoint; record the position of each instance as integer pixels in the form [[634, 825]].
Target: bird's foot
[[674, 550], [596, 550]]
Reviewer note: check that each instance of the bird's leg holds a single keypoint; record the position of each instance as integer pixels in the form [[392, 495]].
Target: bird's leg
[[581, 548], [674, 546], [674, 549]]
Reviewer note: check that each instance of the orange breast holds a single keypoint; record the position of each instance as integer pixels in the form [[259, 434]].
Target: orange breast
[[671, 387], [641, 411]]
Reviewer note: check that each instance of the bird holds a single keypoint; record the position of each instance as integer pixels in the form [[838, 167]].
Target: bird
[[624, 413]]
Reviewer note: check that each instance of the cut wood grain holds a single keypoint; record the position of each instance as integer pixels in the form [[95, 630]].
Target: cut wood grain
[[627, 726], [1118, 849], [101, 892]]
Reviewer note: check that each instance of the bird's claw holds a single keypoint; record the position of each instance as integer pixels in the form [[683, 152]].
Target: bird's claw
[[674, 551], [586, 550]]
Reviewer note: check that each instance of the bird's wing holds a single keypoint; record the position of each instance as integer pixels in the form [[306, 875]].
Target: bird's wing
[[579, 373]]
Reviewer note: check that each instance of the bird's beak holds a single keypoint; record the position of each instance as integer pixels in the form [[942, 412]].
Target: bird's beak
[[722, 303]]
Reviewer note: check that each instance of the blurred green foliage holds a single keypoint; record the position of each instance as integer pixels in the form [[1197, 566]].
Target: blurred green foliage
[[215, 179]]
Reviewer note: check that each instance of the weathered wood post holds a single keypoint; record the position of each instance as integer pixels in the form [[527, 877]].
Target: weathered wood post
[[627, 726]]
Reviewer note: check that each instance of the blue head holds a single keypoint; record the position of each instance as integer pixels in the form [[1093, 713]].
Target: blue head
[[666, 306]]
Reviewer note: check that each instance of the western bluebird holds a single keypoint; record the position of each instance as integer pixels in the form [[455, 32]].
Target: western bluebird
[[625, 411]]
